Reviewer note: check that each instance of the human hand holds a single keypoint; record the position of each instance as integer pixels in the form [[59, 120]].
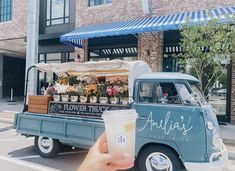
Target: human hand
[[98, 159]]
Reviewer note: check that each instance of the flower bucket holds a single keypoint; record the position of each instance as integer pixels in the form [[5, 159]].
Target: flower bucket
[[103, 100], [83, 99], [65, 98], [73, 98], [124, 100], [114, 100], [56, 98], [93, 99]]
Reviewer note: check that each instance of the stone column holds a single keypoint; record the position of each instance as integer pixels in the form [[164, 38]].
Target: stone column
[[150, 49], [1, 75], [32, 43]]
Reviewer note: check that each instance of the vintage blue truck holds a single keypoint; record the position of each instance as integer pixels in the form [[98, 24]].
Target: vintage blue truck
[[176, 129]]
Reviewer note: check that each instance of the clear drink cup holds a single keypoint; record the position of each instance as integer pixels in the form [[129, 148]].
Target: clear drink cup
[[120, 127]]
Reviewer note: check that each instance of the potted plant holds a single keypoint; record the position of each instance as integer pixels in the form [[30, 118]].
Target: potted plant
[[113, 92], [81, 92], [91, 92], [124, 94], [61, 89], [73, 93], [103, 96]]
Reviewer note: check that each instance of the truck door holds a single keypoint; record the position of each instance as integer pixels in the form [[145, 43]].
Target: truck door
[[168, 117]]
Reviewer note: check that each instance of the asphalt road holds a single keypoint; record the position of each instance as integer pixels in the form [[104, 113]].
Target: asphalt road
[[18, 153]]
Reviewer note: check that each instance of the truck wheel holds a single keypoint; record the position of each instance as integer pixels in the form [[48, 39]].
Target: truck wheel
[[159, 158], [46, 147]]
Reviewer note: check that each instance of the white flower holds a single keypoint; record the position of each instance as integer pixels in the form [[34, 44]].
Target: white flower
[[61, 89]]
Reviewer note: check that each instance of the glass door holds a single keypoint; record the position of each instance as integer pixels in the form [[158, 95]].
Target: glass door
[[220, 97]]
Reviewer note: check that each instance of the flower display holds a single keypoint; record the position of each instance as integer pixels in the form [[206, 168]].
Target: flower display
[[117, 80], [91, 90], [93, 87], [73, 90], [73, 80], [124, 91], [102, 90], [51, 90], [61, 88], [113, 91], [63, 80]]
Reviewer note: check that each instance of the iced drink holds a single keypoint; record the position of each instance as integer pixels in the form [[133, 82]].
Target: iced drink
[[120, 127]]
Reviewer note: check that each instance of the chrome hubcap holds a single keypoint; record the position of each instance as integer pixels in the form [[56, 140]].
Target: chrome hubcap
[[45, 144], [158, 162]]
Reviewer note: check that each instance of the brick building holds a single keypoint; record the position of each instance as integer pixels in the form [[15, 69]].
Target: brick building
[[13, 16]]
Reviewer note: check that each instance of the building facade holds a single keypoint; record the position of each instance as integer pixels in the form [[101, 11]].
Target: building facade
[[13, 16]]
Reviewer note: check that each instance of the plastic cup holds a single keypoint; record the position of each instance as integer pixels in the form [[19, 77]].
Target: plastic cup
[[120, 127]]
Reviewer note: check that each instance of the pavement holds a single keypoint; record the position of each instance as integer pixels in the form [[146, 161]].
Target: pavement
[[8, 110]]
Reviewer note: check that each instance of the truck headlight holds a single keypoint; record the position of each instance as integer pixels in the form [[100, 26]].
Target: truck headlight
[[216, 141]]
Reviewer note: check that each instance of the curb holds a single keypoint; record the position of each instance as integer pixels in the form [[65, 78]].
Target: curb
[[8, 121], [227, 141], [231, 155]]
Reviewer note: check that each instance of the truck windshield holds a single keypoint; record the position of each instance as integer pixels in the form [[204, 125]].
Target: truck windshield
[[197, 92]]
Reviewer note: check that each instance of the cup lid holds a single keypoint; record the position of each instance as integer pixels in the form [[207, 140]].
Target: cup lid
[[120, 114]]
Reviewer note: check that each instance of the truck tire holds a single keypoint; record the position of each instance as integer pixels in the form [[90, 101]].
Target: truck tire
[[159, 158], [46, 147]]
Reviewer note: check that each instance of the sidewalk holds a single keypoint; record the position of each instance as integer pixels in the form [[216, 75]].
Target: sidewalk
[[8, 109]]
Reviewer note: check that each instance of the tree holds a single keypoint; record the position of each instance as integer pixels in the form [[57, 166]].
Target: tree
[[207, 49]]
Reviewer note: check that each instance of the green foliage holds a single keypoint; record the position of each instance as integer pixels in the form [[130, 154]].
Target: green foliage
[[102, 90], [207, 49], [73, 80]]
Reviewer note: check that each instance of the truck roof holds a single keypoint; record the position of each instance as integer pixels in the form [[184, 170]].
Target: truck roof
[[167, 76]]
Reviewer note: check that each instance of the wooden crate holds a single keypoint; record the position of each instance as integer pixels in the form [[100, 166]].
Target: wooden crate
[[39, 104]]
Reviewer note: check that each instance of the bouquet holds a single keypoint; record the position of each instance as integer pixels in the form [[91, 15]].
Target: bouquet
[[113, 91], [73, 90], [124, 91], [50, 90], [91, 90], [61, 88]]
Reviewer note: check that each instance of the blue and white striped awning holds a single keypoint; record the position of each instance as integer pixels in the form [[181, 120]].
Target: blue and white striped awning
[[152, 24]]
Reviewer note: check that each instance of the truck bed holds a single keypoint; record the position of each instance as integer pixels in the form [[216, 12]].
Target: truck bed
[[76, 131]]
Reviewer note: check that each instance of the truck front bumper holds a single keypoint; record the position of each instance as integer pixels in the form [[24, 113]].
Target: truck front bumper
[[218, 165]]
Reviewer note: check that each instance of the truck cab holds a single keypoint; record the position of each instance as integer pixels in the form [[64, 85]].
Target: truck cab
[[177, 127]]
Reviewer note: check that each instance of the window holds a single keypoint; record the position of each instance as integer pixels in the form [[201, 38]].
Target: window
[[5, 10], [98, 2], [57, 12], [146, 92], [184, 92], [169, 94]]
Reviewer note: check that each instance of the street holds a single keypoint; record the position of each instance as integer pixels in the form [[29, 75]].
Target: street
[[18, 153]]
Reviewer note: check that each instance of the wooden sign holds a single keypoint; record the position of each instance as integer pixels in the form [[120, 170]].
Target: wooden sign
[[83, 109]]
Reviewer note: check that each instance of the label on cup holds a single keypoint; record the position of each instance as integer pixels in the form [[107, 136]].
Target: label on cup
[[121, 139]]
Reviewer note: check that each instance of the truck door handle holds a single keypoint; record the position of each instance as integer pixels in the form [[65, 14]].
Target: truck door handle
[[142, 118]]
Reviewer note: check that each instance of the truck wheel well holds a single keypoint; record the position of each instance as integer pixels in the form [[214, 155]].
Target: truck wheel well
[[159, 144]]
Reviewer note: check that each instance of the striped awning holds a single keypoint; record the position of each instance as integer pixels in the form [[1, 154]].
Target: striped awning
[[151, 24]]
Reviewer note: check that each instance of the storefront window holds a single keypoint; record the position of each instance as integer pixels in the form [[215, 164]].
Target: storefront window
[[5, 10], [218, 97], [57, 12], [98, 2]]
